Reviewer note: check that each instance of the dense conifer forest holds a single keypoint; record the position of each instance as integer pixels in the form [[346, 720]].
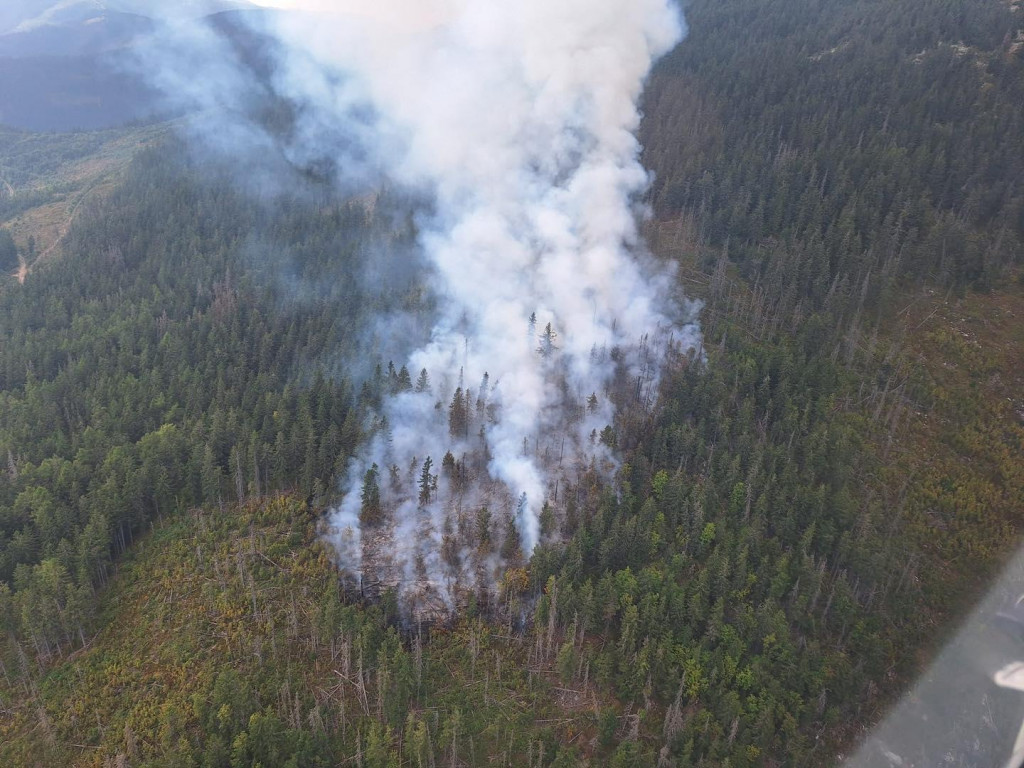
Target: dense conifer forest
[[796, 525]]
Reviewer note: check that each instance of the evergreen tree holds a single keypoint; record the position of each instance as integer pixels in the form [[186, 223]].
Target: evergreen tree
[[427, 482], [370, 512]]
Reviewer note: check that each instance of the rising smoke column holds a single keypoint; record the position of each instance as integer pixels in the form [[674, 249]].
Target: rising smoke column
[[519, 120]]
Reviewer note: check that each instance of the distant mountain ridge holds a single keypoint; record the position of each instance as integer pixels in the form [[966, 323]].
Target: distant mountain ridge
[[30, 15], [89, 36], [65, 65]]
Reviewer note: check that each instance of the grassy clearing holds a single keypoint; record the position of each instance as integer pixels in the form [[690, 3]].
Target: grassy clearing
[[45, 179]]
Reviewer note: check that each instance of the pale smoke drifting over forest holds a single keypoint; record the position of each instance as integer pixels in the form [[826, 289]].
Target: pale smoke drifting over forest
[[518, 121], [521, 119]]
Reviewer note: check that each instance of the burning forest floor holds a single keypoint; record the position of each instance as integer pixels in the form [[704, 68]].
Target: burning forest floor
[[472, 560], [445, 537]]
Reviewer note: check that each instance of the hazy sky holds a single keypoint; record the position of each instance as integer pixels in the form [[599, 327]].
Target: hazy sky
[[409, 15]]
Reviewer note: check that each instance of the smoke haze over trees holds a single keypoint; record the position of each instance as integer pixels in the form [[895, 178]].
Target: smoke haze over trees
[[528, 220]]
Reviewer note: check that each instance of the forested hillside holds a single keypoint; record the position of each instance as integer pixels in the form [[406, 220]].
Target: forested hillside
[[157, 367], [46, 178], [793, 530]]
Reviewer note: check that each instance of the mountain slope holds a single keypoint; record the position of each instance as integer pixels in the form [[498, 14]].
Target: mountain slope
[[72, 65], [91, 36], [46, 180], [226, 639], [28, 15], [792, 532]]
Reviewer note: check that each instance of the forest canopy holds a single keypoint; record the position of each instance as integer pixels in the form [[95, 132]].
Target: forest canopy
[[795, 520]]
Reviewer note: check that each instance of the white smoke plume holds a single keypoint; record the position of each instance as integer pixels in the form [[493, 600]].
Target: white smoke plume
[[521, 120], [518, 121]]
